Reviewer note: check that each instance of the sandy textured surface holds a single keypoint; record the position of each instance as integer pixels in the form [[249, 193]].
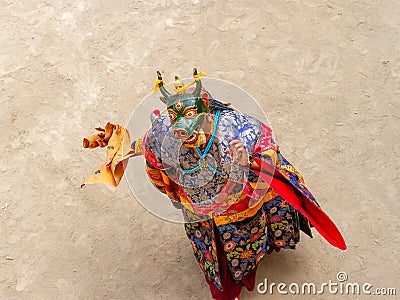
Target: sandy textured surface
[[327, 73]]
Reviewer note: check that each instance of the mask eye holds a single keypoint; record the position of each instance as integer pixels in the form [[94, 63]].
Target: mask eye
[[172, 115], [178, 105], [191, 113]]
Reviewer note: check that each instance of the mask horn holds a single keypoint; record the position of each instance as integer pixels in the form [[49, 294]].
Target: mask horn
[[196, 92], [163, 91]]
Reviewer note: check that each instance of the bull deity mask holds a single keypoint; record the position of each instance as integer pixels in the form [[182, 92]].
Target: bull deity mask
[[186, 110]]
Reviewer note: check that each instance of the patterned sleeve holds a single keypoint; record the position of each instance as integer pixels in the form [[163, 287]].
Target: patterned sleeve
[[266, 150], [154, 167]]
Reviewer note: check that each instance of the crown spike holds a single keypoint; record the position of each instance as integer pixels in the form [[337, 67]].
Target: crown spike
[[196, 92], [163, 90]]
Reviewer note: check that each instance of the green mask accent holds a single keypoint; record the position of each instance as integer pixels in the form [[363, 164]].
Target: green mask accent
[[186, 114], [186, 110]]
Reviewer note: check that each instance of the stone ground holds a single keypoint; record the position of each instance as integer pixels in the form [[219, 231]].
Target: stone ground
[[327, 72]]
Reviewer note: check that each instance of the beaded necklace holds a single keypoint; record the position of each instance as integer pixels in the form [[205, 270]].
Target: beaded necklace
[[202, 155]]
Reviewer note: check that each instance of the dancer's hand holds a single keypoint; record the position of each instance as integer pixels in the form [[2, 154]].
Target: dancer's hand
[[238, 151]]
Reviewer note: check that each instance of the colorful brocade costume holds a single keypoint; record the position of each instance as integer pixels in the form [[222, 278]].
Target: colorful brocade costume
[[245, 232], [232, 217]]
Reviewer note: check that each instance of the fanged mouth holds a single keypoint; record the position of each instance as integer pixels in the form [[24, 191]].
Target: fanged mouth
[[192, 138]]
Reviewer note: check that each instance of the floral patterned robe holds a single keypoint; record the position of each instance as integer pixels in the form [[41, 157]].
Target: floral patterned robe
[[253, 220]]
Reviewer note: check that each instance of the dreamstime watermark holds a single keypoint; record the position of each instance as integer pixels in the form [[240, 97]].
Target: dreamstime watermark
[[338, 287]]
